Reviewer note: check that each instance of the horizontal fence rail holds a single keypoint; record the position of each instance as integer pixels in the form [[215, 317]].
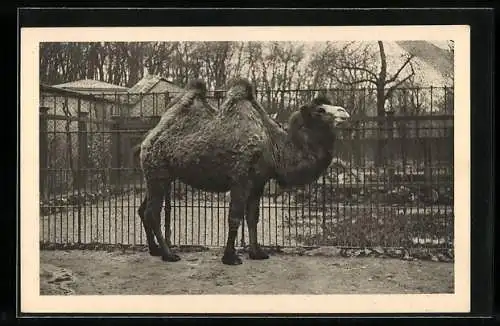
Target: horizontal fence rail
[[390, 184]]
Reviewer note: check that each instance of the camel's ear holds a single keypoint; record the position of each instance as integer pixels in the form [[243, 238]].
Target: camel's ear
[[306, 112]]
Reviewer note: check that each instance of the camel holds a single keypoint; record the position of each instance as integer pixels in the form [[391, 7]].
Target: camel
[[238, 149]]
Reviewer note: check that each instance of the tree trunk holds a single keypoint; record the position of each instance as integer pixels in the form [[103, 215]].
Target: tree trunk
[[379, 153]]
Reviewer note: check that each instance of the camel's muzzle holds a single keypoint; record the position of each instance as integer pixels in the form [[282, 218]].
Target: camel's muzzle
[[339, 114]]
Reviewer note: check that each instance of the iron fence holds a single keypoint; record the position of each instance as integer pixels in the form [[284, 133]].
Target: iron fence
[[91, 184]]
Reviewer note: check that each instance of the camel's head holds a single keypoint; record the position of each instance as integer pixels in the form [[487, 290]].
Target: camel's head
[[321, 113]]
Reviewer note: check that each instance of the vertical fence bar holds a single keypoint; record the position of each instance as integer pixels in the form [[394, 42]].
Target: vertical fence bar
[[198, 207], [121, 188], [391, 171], [242, 242], [165, 100], [218, 219], [212, 207], [58, 175], [131, 187], [42, 152], [324, 210], [116, 162], [403, 132], [205, 218], [141, 100], [186, 214], [389, 157], [174, 204], [192, 192], [82, 164], [69, 171], [43, 168], [155, 109], [115, 148], [91, 171], [54, 173], [450, 182], [432, 100]]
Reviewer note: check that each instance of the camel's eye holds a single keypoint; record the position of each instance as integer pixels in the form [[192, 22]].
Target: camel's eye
[[321, 109]]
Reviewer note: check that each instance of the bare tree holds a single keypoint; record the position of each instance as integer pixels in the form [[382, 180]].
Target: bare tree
[[239, 49], [385, 84], [451, 55], [215, 59], [358, 61]]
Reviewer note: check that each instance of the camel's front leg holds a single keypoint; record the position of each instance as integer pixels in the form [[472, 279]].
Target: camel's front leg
[[168, 215], [252, 217]]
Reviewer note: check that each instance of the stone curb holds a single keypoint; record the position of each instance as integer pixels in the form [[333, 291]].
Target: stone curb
[[410, 254]]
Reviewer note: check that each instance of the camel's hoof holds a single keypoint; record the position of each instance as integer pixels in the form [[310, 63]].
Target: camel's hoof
[[258, 254], [231, 259], [155, 251], [171, 257]]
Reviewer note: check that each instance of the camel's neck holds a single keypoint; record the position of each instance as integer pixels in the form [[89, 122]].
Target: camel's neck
[[301, 156]]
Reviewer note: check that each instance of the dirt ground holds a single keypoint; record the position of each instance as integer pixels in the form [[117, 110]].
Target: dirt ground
[[84, 272]]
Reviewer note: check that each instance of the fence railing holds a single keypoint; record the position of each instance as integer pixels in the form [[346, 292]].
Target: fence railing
[[407, 101], [91, 185]]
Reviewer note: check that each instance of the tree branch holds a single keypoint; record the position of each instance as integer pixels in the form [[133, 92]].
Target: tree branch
[[373, 81], [395, 76], [389, 92], [358, 68]]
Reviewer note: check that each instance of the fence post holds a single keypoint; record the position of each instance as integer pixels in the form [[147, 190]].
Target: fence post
[[116, 152], [389, 159], [81, 164], [82, 147], [428, 161], [166, 99], [451, 140], [218, 93], [356, 143], [403, 133], [43, 151]]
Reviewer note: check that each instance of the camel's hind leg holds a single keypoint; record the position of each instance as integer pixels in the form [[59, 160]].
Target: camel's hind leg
[[236, 214], [156, 193], [252, 217], [154, 250]]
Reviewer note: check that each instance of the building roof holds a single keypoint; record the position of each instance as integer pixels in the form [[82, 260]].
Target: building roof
[[67, 92], [149, 81], [91, 84], [433, 55]]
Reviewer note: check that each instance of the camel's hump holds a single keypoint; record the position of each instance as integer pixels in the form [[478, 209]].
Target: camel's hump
[[321, 99], [197, 86], [241, 88]]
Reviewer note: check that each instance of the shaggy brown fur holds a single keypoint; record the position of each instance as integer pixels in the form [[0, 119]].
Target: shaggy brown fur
[[237, 149]]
